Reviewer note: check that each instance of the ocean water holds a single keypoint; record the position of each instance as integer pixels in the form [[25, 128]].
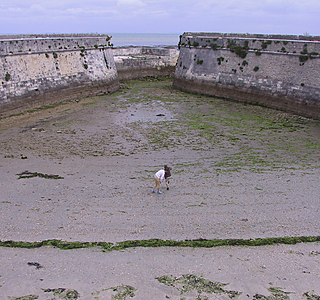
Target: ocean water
[[144, 39]]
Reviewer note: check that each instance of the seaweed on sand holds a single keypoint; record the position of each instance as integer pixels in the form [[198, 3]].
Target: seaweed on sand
[[27, 174], [189, 283]]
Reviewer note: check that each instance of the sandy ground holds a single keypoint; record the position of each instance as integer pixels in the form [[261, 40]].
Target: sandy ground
[[238, 172]]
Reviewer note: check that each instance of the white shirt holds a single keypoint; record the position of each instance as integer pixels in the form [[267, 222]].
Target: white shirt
[[160, 175]]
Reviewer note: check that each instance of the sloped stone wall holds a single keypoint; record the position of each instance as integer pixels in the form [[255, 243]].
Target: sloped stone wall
[[44, 70], [282, 72], [137, 62]]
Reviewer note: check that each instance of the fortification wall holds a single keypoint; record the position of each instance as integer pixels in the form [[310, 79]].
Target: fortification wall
[[137, 62], [42, 70], [277, 71]]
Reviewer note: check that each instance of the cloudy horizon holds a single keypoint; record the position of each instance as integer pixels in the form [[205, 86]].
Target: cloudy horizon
[[160, 16]]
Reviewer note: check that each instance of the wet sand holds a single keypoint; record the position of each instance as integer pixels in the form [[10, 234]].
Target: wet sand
[[238, 172]]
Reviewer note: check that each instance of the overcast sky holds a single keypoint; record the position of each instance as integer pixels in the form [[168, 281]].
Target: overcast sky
[[160, 16]]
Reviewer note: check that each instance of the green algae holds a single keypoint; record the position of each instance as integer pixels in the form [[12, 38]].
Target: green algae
[[64, 294], [27, 174], [200, 123], [311, 296], [274, 139], [192, 283], [204, 243], [63, 245], [28, 297], [61, 293], [152, 243], [35, 264], [123, 292], [276, 294], [46, 107], [89, 103]]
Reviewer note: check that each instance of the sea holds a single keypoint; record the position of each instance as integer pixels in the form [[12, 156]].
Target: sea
[[144, 39]]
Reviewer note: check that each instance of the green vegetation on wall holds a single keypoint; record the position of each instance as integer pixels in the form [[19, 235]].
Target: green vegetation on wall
[[220, 59], [241, 51], [214, 46], [241, 48], [7, 76], [305, 55], [264, 44]]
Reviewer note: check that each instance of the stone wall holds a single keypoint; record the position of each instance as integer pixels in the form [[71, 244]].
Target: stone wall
[[42, 70], [277, 71], [137, 62], [39, 70]]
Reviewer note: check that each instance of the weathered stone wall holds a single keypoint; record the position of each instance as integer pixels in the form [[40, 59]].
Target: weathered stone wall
[[277, 71], [44, 70], [137, 62]]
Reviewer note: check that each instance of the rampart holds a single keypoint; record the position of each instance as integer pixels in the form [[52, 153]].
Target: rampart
[[39, 70], [277, 71], [137, 62], [42, 70]]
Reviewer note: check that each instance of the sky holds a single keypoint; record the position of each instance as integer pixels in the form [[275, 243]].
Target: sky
[[160, 16]]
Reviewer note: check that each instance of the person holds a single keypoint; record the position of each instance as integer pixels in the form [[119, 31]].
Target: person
[[167, 175], [158, 178]]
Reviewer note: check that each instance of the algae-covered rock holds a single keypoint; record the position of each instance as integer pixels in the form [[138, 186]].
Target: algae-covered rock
[[64, 294], [190, 283], [311, 296], [28, 297], [123, 291], [276, 294]]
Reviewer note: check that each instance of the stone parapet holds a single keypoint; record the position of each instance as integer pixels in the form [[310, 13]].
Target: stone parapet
[[48, 44]]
